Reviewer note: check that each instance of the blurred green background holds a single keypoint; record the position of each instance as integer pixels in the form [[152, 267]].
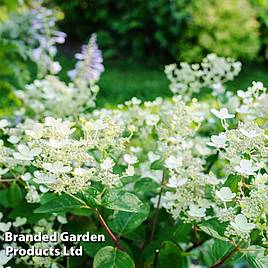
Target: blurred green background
[[138, 38]]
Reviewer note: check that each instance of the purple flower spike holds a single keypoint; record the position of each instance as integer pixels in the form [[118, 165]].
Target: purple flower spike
[[90, 62]]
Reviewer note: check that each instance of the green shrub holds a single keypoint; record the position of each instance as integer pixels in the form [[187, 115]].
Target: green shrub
[[227, 28], [261, 7], [136, 27], [8, 101], [14, 51]]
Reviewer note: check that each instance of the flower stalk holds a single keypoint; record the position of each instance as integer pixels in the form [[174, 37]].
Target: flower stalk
[[102, 222], [108, 230]]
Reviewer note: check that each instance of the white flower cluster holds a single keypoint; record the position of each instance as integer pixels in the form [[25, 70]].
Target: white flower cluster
[[245, 149], [51, 96], [194, 193], [169, 132], [254, 102], [166, 131], [66, 162], [183, 153], [212, 72], [33, 29], [204, 173]]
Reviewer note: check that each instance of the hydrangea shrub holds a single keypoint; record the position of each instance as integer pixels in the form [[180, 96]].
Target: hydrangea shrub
[[180, 181]]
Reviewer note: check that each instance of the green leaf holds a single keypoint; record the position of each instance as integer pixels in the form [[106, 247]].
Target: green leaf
[[14, 195], [172, 255], [146, 186], [256, 237], [182, 232], [81, 225], [232, 182], [137, 235], [46, 197], [25, 209], [82, 212], [165, 233], [120, 200], [214, 228], [129, 179], [257, 261], [220, 249], [157, 165], [61, 203], [216, 250], [92, 249], [3, 198], [110, 257], [89, 195], [125, 222]]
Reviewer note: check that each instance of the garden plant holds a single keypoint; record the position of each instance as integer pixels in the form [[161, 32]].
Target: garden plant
[[173, 182]]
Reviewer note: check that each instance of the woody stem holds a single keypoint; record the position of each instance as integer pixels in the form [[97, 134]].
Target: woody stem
[[108, 230]]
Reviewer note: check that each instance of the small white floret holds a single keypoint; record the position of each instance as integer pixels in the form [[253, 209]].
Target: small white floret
[[130, 159], [246, 168], [241, 223], [222, 113], [225, 194]]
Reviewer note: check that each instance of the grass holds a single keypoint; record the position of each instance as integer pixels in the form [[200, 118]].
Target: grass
[[121, 81], [124, 79], [250, 72]]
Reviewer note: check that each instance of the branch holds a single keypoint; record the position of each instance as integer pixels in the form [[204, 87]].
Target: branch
[[108, 230], [226, 257]]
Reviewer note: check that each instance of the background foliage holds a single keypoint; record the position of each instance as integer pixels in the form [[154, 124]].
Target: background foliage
[[214, 27], [177, 28], [14, 63], [137, 27], [155, 32]]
